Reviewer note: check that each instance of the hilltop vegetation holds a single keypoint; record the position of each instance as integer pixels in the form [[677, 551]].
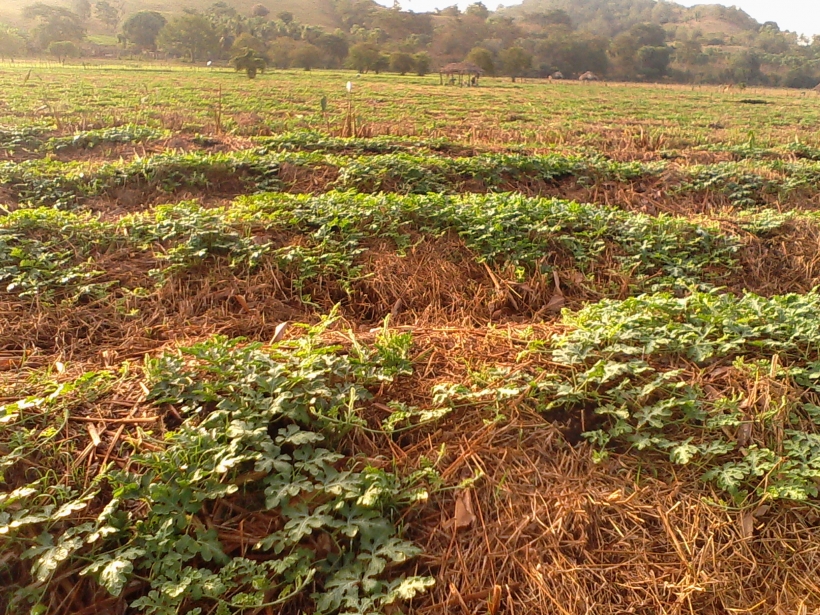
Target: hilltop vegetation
[[619, 39], [612, 17], [315, 12]]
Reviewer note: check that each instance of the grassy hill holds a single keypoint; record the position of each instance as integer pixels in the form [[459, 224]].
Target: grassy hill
[[608, 17], [604, 17], [315, 12]]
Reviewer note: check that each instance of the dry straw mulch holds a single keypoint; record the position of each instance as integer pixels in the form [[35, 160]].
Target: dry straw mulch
[[547, 530], [544, 529]]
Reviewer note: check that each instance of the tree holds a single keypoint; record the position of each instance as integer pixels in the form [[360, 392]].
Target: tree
[[422, 63], [382, 64], [690, 53], [286, 17], [398, 25], [505, 30], [653, 62], [260, 10], [401, 62], [279, 53], [54, 23], [664, 12], [554, 17], [306, 56], [773, 41], [363, 57], [222, 10], [624, 49], [335, 48], [745, 67], [801, 77], [478, 10], [456, 37], [516, 61], [63, 50], [246, 41], [626, 46], [12, 45], [142, 29], [356, 12], [250, 62], [82, 8], [483, 58], [570, 52], [648, 35], [191, 35], [107, 13]]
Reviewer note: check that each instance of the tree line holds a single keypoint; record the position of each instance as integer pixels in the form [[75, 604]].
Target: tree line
[[620, 39]]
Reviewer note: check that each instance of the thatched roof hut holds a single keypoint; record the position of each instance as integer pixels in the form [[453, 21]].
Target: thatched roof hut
[[460, 69], [588, 76], [557, 75]]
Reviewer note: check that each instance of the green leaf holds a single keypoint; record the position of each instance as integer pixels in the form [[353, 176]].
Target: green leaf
[[407, 589], [115, 575], [683, 453]]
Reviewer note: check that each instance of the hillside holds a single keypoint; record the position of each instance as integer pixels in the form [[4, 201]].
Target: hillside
[[609, 17], [601, 17], [622, 40], [314, 12]]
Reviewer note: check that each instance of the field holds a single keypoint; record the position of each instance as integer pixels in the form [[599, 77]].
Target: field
[[521, 348]]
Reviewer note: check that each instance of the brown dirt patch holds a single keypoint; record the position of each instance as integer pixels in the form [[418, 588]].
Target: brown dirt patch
[[7, 197]]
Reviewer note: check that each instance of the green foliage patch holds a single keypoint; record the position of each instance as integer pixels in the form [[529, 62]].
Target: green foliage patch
[[23, 138], [318, 142], [89, 139], [650, 367], [36, 139], [629, 359], [263, 439], [47, 253], [745, 185], [323, 237], [66, 185]]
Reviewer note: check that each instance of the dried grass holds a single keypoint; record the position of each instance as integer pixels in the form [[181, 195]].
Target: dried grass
[[555, 533], [786, 262], [550, 531], [438, 280]]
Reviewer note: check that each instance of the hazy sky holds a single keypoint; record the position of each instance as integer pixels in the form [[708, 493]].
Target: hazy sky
[[799, 15]]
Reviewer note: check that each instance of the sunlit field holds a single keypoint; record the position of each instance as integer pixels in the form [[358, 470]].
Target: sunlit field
[[532, 347]]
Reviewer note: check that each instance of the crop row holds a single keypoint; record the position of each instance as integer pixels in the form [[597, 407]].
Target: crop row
[[261, 430], [68, 184], [44, 251], [44, 138], [34, 139], [306, 141], [681, 377], [304, 521]]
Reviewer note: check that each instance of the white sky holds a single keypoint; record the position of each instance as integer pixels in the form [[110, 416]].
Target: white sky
[[799, 15]]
